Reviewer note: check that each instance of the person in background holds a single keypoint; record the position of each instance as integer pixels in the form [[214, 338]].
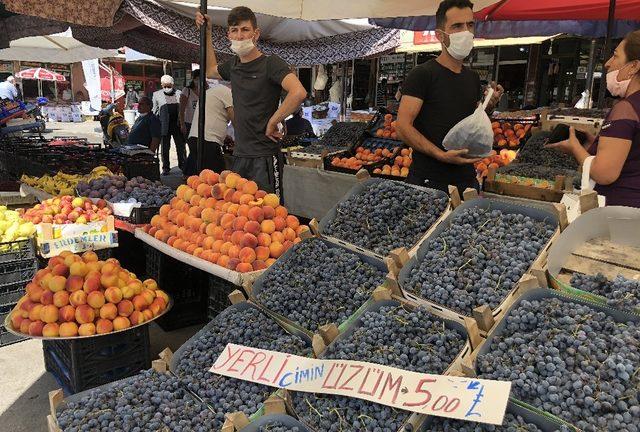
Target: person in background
[[615, 167], [146, 130], [132, 97], [166, 103], [298, 125], [257, 81], [8, 89], [188, 101], [19, 90], [219, 112], [438, 94]]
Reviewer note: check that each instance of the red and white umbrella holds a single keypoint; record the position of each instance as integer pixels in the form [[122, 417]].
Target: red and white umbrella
[[40, 74]]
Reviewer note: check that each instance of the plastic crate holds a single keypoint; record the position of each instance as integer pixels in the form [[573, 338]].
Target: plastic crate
[[20, 250], [17, 271], [147, 169], [131, 254], [85, 363], [9, 296], [219, 290], [141, 215], [186, 285]]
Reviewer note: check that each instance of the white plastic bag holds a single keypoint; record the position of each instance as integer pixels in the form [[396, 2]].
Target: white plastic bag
[[321, 79], [586, 182], [473, 132], [585, 101]]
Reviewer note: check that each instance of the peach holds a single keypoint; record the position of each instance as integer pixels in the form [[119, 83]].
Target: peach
[[250, 187], [234, 251], [113, 294], [264, 239], [94, 267], [243, 210], [231, 179], [247, 255], [224, 249], [137, 317], [95, 299], [148, 296], [70, 259], [259, 265], [35, 328], [60, 270], [249, 240], [150, 284], [57, 283], [128, 291], [108, 279], [67, 313], [280, 223], [262, 253], [104, 326], [51, 330], [286, 245], [244, 267], [121, 323], [292, 222], [289, 234], [269, 212], [277, 237], [68, 329], [268, 226], [85, 314], [227, 221], [256, 214], [89, 256], [236, 237], [223, 260], [74, 283], [26, 304], [281, 212], [16, 319], [233, 263], [47, 297], [136, 285], [110, 267], [271, 200], [218, 190], [87, 329], [54, 261], [260, 194], [91, 284], [148, 315], [253, 227], [35, 294], [226, 235], [164, 295], [276, 249], [78, 268], [125, 308], [204, 190], [229, 194], [239, 223], [35, 312], [139, 302], [49, 314], [108, 311], [45, 280], [24, 325], [245, 199], [61, 298], [78, 298], [156, 307]]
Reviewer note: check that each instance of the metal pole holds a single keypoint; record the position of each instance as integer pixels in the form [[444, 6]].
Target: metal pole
[[606, 52], [202, 96], [590, 67]]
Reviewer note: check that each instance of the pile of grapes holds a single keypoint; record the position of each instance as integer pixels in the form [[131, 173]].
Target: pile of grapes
[[570, 360], [248, 327], [511, 423], [392, 336], [531, 170], [386, 215], [150, 401], [621, 293], [534, 152], [478, 259], [319, 284], [277, 426], [341, 136]]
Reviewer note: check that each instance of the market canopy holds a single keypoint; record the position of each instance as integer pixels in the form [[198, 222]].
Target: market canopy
[[101, 13], [52, 49]]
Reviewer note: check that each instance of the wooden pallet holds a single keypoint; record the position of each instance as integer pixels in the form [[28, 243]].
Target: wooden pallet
[[602, 256]]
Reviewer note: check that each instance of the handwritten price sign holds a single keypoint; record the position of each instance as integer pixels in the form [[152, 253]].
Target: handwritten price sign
[[476, 400]]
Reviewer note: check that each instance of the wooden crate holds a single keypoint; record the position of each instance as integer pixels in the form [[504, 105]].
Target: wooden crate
[[561, 184]]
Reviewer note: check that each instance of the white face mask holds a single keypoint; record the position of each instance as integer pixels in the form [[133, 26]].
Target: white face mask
[[460, 44], [242, 47], [168, 90]]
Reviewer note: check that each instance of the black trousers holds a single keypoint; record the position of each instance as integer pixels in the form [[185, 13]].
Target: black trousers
[[266, 171], [174, 131], [212, 157]]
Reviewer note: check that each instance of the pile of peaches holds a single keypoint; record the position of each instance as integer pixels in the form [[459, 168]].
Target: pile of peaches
[[226, 220], [388, 129], [494, 160], [509, 135], [83, 296]]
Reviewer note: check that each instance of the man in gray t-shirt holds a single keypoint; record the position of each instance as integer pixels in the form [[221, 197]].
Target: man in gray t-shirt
[[257, 80]]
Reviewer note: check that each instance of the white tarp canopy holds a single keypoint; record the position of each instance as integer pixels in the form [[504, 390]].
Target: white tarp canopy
[[58, 48], [314, 10]]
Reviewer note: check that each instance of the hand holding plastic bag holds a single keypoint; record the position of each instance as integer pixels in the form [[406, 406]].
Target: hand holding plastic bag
[[473, 133]]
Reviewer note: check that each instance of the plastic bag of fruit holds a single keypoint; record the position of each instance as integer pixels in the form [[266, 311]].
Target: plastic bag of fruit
[[473, 133]]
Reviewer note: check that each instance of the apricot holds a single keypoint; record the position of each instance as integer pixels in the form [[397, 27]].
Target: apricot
[[234, 251], [271, 200], [113, 294], [57, 283], [276, 249], [264, 239], [95, 299], [259, 265], [90, 256], [281, 212], [125, 308], [247, 255], [136, 318], [243, 267], [34, 312], [78, 268], [249, 240], [51, 330], [277, 237], [85, 314], [87, 329], [108, 279], [268, 226], [239, 223], [292, 222], [49, 314], [289, 234], [24, 325], [35, 328], [256, 214], [269, 212], [104, 326], [108, 311], [121, 323], [280, 223], [67, 313], [91, 284], [262, 253]]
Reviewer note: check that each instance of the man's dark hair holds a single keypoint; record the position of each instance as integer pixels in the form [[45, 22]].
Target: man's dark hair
[[441, 14], [241, 13]]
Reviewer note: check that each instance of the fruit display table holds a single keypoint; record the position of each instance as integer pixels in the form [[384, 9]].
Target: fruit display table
[[311, 193]]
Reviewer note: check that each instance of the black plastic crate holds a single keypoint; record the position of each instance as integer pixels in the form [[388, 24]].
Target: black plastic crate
[[186, 285], [9, 296], [140, 215], [147, 169], [131, 254], [18, 271], [219, 290], [84, 363]]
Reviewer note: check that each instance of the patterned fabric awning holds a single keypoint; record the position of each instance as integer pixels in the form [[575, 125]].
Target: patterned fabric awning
[[97, 13], [167, 34]]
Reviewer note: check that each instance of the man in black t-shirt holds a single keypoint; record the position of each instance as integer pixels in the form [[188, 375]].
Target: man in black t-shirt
[[438, 94], [257, 80]]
